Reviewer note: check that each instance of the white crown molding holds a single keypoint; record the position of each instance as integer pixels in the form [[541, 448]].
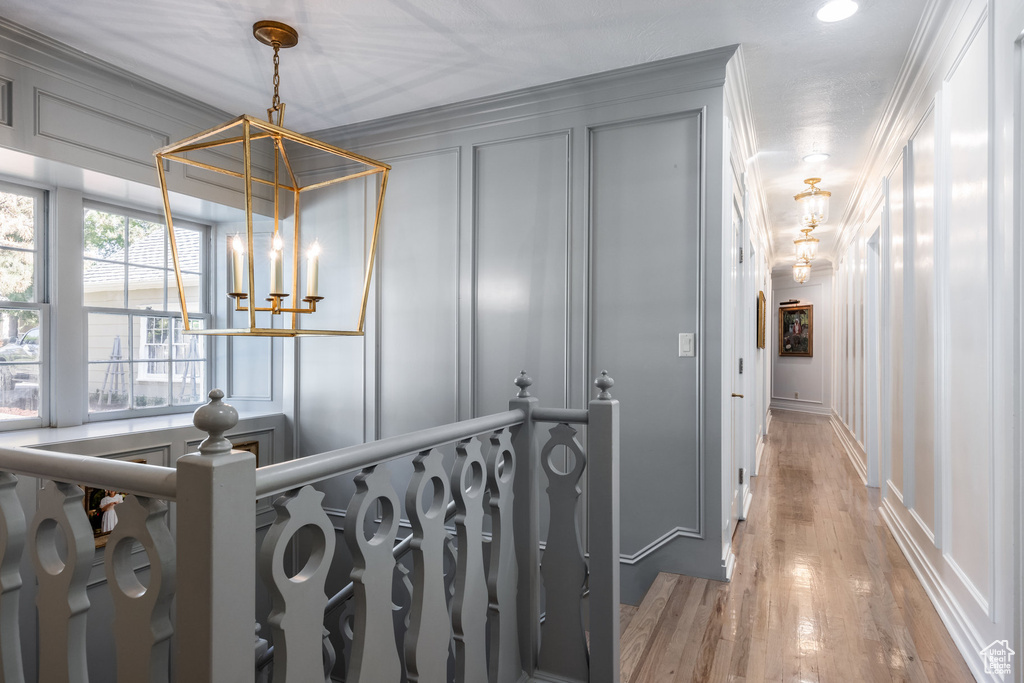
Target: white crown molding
[[738, 94], [687, 73], [941, 22]]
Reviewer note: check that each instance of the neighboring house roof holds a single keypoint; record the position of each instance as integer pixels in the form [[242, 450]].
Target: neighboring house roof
[[147, 252]]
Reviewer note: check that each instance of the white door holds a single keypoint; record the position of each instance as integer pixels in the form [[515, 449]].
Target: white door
[[738, 398]]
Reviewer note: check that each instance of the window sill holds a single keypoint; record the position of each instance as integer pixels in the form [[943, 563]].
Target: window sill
[[42, 436]]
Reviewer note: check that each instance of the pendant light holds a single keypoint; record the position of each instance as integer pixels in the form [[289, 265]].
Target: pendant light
[[813, 204]]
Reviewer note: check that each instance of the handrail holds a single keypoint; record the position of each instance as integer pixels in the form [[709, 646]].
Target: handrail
[[285, 476], [339, 598], [152, 481], [561, 415]]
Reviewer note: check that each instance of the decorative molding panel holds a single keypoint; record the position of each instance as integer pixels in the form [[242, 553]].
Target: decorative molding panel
[[6, 102], [958, 620], [663, 540], [63, 120], [521, 206]]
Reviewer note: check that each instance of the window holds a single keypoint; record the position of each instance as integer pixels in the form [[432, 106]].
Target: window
[[138, 353], [22, 305]]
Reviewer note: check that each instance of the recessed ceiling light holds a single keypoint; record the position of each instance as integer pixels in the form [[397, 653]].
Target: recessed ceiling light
[[816, 156], [837, 10]]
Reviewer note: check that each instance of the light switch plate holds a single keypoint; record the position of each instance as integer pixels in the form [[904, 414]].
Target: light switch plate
[[686, 344]]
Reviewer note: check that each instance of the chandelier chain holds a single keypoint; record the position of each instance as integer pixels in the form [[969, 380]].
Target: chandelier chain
[[276, 103]]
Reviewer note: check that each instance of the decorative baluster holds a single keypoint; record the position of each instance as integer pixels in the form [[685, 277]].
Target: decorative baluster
[[429, 634], [12, 544], [329, 656], [142, 623], [374, 655], [262, 646], [503, 575], [401, 609], [62, 601], [469, 606], [298, 600], [563, 645]]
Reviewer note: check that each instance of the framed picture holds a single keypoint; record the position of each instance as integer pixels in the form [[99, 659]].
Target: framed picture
[[101, 509], [251, 446], [761, 315], [796, 331]]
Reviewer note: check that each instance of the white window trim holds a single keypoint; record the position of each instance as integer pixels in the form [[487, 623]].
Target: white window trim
[[135, 345], [40, 305]]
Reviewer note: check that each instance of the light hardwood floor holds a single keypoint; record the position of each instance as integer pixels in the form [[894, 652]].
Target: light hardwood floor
[[821, 592]]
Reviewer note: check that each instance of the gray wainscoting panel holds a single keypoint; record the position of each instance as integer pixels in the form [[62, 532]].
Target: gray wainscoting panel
[[418, 279], [521, 204], [330, 369], [645, 213]]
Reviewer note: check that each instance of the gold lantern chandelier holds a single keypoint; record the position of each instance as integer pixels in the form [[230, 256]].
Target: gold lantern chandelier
[[265, 158]]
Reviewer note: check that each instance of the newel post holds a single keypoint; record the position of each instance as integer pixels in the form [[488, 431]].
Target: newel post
[[526, 524], [603, 461], [216, 538]]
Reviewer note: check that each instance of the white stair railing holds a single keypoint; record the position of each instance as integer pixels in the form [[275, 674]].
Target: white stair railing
[[484, 623]]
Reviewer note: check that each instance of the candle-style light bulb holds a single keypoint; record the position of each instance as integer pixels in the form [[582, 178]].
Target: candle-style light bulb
[[313, 269], [276, 277], [237, 265]]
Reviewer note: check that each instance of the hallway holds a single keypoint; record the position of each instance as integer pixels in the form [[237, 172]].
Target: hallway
[[821, 592]]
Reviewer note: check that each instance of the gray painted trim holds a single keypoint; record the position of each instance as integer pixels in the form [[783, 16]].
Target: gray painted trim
[[664, 539], [57, 54], [42, 97], [6, 101], [701, 114]]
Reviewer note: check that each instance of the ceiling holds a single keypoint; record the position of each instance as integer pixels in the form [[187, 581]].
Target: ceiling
[[812, 85]]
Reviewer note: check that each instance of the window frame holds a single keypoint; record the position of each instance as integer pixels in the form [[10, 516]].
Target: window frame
[[41, 303], [133, 314]]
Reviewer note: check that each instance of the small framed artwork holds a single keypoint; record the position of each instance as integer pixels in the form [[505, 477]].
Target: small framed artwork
[[101, 509], [796, 331], [250, 446], [761, 315]]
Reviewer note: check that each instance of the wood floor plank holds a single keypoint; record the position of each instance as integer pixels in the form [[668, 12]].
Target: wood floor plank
[[821, 593]]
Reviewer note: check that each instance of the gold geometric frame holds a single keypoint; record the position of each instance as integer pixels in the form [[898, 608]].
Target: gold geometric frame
[[277, 134], [761, 315]]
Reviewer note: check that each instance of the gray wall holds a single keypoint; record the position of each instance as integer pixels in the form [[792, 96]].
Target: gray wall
[[562, 230]]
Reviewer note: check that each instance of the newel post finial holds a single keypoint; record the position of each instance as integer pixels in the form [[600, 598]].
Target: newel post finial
[[524, 383], [604, 383], [215, 418]]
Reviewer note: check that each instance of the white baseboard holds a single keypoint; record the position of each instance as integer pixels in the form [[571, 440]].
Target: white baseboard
[[852, 448], [814, 408], [747, 500], [758, 452], [963, 632], [768, 422]]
